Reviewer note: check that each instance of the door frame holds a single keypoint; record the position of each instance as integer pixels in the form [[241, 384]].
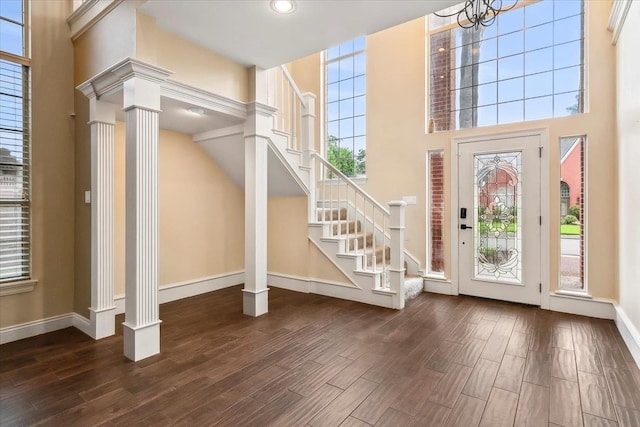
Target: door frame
[[543, 133]]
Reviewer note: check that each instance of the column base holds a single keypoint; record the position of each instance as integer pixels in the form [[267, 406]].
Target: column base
[[142, 341], [103, 322], [255, 303]]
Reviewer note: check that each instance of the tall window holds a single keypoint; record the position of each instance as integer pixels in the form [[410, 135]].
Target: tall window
[[435, 197], [345, 106], [572, 213], [14, 143], [528, 65]]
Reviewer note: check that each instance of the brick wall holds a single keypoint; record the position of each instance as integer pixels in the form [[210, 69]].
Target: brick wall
[[436, 216]]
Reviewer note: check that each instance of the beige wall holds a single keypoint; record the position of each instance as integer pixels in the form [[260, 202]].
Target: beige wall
[[52, 170], [397, 144], [201, 213], [628, 111], [190, 64], [295, 254]]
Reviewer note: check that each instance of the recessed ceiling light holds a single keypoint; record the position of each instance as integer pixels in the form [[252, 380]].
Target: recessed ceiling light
[[195, 110], [283, 6]]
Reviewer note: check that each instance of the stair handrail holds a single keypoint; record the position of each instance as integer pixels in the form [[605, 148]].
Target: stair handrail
[[293, 84], [350, 182], [284, 94]]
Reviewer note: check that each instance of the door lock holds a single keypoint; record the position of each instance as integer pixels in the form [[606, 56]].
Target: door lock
[[465, 226]]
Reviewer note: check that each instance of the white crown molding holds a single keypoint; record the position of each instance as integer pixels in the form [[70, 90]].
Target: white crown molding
[[202, 98], [90, 12], [619, 12], [219, 133], [256, 107], [111, 80]]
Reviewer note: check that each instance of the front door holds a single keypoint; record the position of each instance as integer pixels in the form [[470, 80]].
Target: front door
[[499, 219]]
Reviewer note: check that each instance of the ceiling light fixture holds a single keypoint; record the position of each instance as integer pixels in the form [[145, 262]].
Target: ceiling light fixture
[[477, 13], [283, 6], [196, 110]]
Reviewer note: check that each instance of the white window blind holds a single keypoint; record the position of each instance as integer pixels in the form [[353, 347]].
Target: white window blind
[[14, 172]]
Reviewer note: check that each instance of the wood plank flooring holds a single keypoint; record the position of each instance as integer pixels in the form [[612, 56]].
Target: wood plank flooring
[[318, 361]]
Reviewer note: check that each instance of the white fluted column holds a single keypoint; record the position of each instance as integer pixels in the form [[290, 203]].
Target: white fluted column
[[102, 311], [255, 292], [396, 267], [142, 323]]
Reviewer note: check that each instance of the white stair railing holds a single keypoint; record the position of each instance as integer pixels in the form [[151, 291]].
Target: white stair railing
[[370, 230], [372, 233], [283, 94]]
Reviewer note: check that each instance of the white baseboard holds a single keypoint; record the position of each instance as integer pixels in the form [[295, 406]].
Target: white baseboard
[[328, 288], [81, 323], [167, 293], [439, 286], [629, 333], [37, 327], [190, 288], [592, 307]]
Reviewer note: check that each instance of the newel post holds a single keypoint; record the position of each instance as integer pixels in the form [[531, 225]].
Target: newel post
[[396, 268], [307, 128]]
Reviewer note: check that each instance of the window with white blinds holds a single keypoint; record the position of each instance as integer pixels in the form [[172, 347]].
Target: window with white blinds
[[15, 251]]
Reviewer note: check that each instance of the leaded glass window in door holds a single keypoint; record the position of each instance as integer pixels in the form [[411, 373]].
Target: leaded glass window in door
[[497, 201]]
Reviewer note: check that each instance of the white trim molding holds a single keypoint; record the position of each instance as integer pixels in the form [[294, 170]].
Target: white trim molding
[[37, 327], [619, 12], [219, 133], [88, 14], [439, 286], [592, 307], [329, 288], [629, 333], [18, 287], [190, 288]]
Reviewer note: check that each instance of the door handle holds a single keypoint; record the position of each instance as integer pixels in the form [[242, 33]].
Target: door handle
[[465, 226]]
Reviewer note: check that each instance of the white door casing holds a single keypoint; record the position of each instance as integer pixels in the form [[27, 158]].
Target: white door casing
[[499, 179]]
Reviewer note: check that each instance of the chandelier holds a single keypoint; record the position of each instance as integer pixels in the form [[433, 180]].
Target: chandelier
[[476, 13]]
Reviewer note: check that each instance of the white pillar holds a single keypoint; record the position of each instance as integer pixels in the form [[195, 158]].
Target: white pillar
[[102, 312], [307, 133], [255, 292], [396, 267], [142, 323]]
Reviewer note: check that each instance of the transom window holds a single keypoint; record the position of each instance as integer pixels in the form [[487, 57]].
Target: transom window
[[14, 143], [345, 106], [528, 65]]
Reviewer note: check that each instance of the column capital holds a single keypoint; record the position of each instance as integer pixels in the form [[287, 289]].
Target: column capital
[[112, 79], [259, 119], [101, 112]]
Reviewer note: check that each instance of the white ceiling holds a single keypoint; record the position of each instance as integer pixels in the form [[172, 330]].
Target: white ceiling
[[250, 33]]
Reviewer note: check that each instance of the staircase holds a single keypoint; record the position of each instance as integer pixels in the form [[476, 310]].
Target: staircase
[[362, 238]]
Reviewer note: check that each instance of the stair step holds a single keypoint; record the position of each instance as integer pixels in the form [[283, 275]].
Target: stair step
[[361, 238], [331, 214], [369, 252], [346, 227]]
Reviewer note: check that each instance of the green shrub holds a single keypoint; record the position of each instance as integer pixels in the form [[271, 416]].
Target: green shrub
[[569, 219], [575, 211]]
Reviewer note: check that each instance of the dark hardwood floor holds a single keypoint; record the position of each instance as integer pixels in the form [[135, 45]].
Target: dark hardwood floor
[[318, 361]]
